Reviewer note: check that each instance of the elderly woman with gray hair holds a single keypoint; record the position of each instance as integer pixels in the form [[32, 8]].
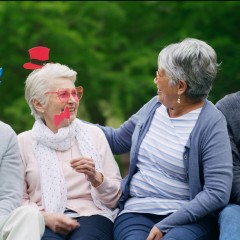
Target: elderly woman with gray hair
[[180, 170], [71, 176]]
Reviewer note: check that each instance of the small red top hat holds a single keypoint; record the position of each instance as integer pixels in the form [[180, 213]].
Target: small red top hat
[[38, 57]]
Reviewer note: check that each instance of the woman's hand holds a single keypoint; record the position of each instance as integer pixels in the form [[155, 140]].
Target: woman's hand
[[87, 166], [155, 234], [59, 223]]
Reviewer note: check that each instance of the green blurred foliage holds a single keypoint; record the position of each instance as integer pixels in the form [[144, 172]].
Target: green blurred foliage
[[113, 45]]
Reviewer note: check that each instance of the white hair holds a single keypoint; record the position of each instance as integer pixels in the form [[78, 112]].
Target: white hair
[[191, 60], [40, 80]]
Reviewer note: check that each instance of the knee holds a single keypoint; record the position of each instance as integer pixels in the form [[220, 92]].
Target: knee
[[29, 213], [26, 210], [229, 214], [230, 210]]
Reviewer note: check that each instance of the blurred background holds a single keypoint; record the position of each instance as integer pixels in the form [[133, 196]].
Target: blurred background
[[113, 45]]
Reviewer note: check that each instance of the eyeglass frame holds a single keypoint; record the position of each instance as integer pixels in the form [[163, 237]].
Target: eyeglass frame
[[78, 89], [157, 77]]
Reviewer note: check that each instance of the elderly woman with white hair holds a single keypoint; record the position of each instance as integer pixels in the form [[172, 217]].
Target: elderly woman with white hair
[[180, 170], [71, 176]]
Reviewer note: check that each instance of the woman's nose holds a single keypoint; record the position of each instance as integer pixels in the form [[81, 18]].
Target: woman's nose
[[71, 99]]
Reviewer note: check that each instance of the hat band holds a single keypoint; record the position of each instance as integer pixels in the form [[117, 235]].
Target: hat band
[[38, 62]]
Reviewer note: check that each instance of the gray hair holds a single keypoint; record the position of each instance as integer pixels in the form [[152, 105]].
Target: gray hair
[[40, 80], [191, 60]]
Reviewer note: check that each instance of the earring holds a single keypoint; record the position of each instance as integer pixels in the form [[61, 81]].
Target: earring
[[178, 100]]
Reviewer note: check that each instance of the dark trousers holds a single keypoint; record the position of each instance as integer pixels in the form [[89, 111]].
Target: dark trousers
[[91, 228], [132, 226]]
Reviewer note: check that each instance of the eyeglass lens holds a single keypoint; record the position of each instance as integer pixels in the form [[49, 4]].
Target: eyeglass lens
[[64, 94]]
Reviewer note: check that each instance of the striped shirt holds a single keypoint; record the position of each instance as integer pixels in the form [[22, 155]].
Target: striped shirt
[[160, 185]]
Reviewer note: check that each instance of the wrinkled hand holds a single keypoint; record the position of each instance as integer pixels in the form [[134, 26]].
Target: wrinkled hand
[[87, 166], [59, 223], [155, 234]]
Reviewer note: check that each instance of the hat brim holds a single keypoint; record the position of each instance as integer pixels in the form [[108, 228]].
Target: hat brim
[[32, 66]]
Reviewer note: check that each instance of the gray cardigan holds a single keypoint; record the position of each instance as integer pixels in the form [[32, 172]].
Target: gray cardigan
[[207, 159], [230, 107], [11, 172]]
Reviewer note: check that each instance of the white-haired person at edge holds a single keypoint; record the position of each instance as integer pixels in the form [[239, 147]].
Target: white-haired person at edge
[[71, 175], [180, 169], [16, 222]]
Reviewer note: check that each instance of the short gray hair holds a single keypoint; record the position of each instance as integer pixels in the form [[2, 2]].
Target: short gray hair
[[40, 80], [191, 60]]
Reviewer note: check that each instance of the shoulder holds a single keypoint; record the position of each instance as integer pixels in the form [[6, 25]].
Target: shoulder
[[210, 116], [6, 129], [25, 134], [96, 134], [7, 135], [229, 106], [210, 110], [25, 137], [8, 140], [229, 102], [93, 129]]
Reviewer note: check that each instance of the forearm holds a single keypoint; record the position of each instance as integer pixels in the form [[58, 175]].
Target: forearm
[[109, 192], [98, 180]]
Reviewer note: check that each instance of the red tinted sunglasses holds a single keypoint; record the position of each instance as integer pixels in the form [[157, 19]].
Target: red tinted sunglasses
[[65, 93]]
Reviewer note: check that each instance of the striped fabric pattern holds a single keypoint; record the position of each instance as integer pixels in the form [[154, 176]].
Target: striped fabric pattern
[[160, 185]]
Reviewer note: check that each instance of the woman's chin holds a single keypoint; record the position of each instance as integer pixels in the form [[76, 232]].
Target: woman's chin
[[72, 117]]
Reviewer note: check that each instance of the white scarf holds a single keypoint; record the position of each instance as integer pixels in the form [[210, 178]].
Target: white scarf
[[53, 186]]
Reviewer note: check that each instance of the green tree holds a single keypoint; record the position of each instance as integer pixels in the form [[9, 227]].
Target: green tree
[[113, 45]]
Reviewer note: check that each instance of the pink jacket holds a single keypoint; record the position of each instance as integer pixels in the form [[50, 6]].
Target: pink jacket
[[78, 188]]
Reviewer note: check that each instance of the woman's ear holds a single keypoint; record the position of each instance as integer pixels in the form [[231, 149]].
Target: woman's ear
[[38, 106], [182, 87]]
